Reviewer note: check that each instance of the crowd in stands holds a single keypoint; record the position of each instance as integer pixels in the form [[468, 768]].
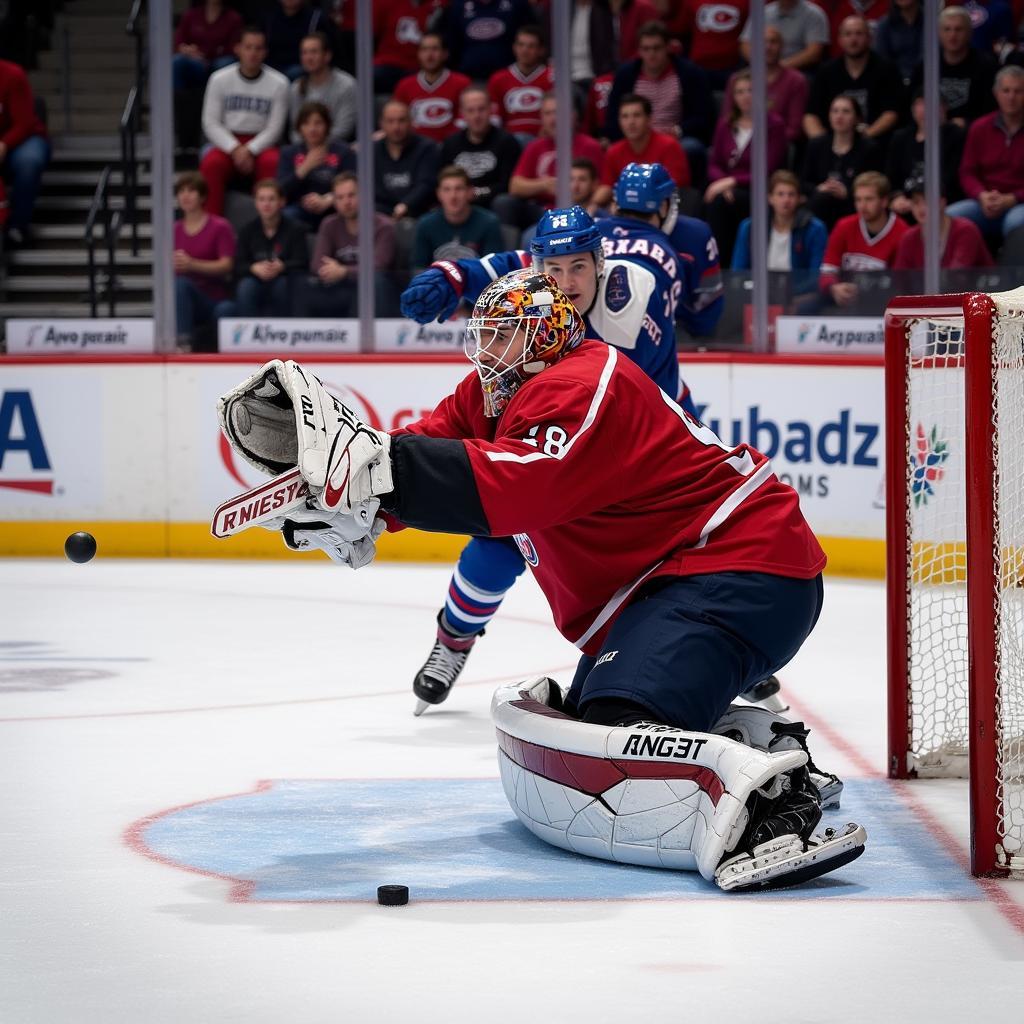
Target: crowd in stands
[[465, 156]]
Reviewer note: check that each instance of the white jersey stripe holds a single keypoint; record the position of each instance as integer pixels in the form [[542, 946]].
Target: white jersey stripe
[[618, 599], [588, 420], [726, 509]]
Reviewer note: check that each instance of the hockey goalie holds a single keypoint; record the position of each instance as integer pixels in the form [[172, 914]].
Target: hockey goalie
[[681, 568]]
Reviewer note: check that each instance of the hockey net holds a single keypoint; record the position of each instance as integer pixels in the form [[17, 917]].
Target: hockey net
[[955, 542]]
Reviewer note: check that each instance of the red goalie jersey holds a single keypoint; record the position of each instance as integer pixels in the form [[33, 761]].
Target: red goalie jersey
[[516, 97], [604, 483]]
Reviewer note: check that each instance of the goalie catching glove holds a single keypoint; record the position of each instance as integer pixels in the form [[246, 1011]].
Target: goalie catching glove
[[283, 416], [348, 539]]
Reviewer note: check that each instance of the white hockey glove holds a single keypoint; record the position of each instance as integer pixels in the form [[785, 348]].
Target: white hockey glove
[[283, 416], [348, 539]]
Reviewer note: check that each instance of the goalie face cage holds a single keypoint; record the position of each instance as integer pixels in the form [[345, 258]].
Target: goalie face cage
[[954, 381]]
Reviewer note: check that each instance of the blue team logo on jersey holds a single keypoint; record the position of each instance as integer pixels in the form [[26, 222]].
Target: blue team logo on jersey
[[617, 293], [526, 548]]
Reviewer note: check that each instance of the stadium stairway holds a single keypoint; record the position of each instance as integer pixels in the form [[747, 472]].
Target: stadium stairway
[[92, 61]]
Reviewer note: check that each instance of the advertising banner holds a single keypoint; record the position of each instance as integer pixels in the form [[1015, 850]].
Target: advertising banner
[[849, 335], [68, 337], [337, 337]]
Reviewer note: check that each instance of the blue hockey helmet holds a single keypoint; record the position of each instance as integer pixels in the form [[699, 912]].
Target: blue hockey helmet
[[566, 232], [643, 188]]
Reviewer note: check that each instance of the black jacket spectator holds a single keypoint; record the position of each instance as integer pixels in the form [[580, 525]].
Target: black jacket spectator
[[488, 163], [900, 42], [878, 89], [820, 163], [287, 245], [285, 33], [698, 118], [966, 87], [339, 158], [411, 179], [479, 34], [905, 158]]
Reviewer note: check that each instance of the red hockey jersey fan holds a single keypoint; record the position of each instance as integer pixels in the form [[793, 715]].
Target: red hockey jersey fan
[[851, 248], [516, 97], [398, 26], [604, 483], [433, 107]]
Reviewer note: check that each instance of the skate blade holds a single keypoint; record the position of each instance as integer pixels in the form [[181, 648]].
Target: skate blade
[[780, 868]]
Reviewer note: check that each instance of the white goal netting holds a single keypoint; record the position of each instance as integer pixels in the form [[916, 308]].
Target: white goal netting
[[939, 475]]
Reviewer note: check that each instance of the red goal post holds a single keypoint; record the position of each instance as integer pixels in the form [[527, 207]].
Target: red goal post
[[954, 382]]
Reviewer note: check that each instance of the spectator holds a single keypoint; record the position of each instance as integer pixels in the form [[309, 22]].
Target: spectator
[[204, 42], [872, 11], [905, 155], [287, 24], [398, 26], [796, 238], [270, 258], [583, 185], [204, 250], [516, 91], [597, 105], [710, 34], [533, 184], [479, 33], [458, 230], [244, 114], [787, 89], [868, 78], [833, 160], [863, 242], [899, 36], [965, 74], [322, 83], [307, 170], [960, 240], [805, 33], [432, 94], [642, 145], [992, 166], [681, 102], [484, 151], [727, 198], [343, 18], [994, 30], [335, 262], [24, 150], [604, 33], [404, 165]]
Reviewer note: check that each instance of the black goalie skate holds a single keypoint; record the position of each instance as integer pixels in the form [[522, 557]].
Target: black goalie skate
[[446, 660]]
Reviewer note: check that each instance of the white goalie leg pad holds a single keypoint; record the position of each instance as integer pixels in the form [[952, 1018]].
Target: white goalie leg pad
[[649, 794], [283, 416]]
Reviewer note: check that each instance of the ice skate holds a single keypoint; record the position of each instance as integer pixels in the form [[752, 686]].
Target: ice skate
[[446, 660]]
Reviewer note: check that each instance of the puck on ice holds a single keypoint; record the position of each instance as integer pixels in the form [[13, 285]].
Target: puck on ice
[[392, 895], [80, 547]]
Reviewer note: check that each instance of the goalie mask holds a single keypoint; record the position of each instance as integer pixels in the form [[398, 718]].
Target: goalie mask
[[522, 323]]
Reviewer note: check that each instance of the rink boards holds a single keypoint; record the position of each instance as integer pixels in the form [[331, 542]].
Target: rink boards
[[130, 449]]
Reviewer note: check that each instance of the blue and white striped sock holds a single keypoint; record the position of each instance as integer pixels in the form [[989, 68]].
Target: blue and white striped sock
[[468, 609]]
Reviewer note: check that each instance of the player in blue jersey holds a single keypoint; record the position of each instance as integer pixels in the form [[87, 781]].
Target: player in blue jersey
[[628, 279]]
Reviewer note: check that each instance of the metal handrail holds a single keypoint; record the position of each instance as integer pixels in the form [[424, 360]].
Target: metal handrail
[[100, 205], [129, 163]]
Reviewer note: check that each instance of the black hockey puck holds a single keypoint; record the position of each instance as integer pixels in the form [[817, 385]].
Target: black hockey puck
[[80, 547], [392, 895]]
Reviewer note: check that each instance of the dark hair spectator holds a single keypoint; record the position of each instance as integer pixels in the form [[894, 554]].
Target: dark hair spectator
[[992, 166], [787, 89], [966, 75], [710, 33], [679, 92], [204, 250], [516, 91], [904, 158], [457, 229], [533, 183], [805, 33], [872, 11], [864, 242], [484, 151], [962, 244], [405, 165], [24, 150], [271, 257], [306, 170], [610, 30], [833, 160], [899, 36], [287, 23], [244, 114], [727, 197], [328, 85], [432, 93], [872, 80], [335, 262], [480, 34], [398, 26]]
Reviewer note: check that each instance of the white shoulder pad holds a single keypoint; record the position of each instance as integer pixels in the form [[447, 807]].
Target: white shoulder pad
[[648, 794], [618, 313]]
